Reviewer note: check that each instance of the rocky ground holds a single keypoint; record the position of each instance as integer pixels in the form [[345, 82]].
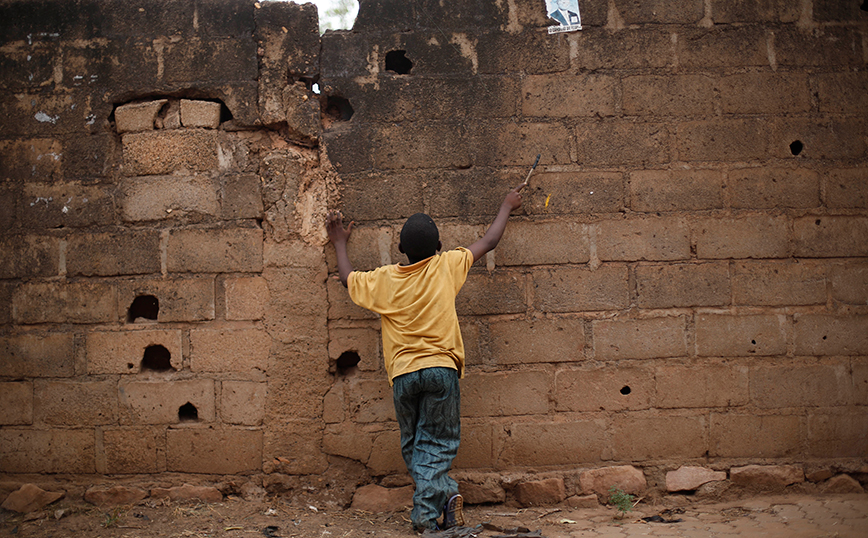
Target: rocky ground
[[790, 516]]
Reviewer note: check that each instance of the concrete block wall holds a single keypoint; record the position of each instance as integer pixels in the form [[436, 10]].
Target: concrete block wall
[[670, 290], [686, 281]]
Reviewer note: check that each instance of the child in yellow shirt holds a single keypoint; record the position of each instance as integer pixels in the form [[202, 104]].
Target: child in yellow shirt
[[422, 348]]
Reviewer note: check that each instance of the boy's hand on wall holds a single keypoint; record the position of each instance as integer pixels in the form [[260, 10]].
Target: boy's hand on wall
[[335, 227]]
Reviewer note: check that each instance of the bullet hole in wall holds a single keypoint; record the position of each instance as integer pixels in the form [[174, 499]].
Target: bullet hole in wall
[[796, 147], [347, 362], [864, 6], [338, 109], [188, 413], [143, 307], [625, 390], [397, 61], [157, 359]]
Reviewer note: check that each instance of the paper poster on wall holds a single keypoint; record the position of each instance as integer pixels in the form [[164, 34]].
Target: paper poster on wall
[[563, 16]]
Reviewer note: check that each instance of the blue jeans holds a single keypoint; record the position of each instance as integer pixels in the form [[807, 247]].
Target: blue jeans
[[428, 405]]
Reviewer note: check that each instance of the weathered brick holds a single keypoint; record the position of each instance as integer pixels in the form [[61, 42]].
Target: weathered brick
[[572, 289], [564, 96], [138, 116], [242, 402], [37, 355], [538, 340], [122, 352], [676, 190], [75, 403], [158, 153], [179, 299], [372, 196], [370, 400], [68, 302], [743, 237], [518, 144], [830, 236], [6, 289], [477, 446], [674, 95], [246, 297], [531, 244], [727, 11], [604, 389], [130, 451], [196, 113], [16, 403], [478, 97], [573, 193], [10, 195], [827, 334], [724, 140], [300, 442], [347, 440], [846, 188], [540, 492], [214, 451], [505, 52], [682, 285], [719, 335], [334, 405], [29, 256], [765, 93], [296, 291], [159, 401], [660, 11], [445, 195], [842, 93], [628, 48], [710, 385], [164, 197], [215, 251], [550, 443], [241, 197], [773, 283], [850, 283], [722, 46], [734, 435], [640, 338], [68, 204], [364, 342], [428, 145], [229, 350], [498, 394], [340, 304], [115, 253], [799, 385], [622, 143], [297, 254], [501, 292], [368, 248], [47, 451], [767, 476], [769, 188], [637, 437], [37, 159], [833, 47], [837, 137], [386, 454], [600, 482], [666, 238], [837, 434]]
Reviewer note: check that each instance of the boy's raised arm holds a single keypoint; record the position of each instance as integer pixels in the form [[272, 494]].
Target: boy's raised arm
[[339, 235], [495, 231]]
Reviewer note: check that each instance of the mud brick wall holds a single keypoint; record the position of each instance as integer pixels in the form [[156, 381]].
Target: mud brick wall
[[686, 283]]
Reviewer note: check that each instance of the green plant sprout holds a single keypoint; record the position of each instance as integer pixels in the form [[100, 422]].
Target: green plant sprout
[[622, 501]]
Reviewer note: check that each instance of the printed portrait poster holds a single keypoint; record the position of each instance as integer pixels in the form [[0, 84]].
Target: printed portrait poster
[[563, 16]]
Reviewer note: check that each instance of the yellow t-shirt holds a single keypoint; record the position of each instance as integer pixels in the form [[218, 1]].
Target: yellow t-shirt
[[416, 304]]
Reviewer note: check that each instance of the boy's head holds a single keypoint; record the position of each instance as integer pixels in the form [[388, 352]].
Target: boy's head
[[419, 238]]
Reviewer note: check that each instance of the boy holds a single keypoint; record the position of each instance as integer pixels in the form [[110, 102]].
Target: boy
[[422, 348]]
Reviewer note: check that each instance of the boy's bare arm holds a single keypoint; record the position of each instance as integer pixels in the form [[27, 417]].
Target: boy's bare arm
[[339, 235], [495, 231]]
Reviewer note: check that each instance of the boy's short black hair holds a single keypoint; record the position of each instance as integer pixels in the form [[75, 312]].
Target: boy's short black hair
[[420, 238]]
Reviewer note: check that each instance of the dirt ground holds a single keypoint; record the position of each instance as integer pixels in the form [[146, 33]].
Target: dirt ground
[[237, 518]]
